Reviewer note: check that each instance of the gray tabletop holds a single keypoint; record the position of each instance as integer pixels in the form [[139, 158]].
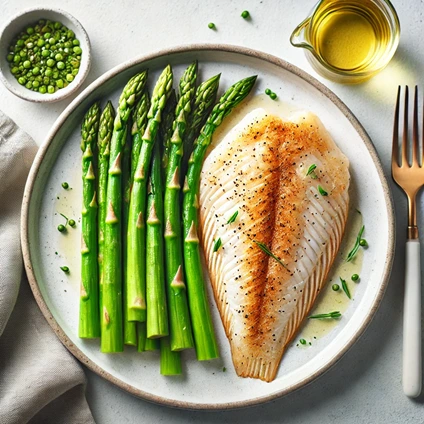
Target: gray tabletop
[[365, 386]]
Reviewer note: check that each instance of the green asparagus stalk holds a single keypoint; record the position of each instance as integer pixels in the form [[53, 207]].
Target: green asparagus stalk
[[89, 293], [111, 307], [180, 327], [130, 327], [170, 361], [165, 130], [136, 258], [203, 104], [157, 313], [204, 338], [144, 343], [103, 148], [131, 152]]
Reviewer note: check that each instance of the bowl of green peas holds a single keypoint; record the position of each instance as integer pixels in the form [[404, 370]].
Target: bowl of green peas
[[44, 55]]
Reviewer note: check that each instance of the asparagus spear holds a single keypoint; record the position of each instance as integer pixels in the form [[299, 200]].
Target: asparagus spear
[[111, 307], [129, 161], [89, 301], [136, 259], [157, 314], [203, 104], [204, 338], [180, 326], [170, 362], [165, 130], [145, 344], [103, 145]]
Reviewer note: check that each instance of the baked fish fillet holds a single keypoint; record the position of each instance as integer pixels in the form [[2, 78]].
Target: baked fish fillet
[[259, 169]]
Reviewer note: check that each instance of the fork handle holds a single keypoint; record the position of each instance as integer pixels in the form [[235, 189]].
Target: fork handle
[[412, 374]]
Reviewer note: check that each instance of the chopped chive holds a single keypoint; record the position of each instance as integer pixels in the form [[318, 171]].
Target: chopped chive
[[302, 341], [335, 314], [322, 192], [211, 25], [355, 249], [311, 170], [266, 250], [245, 14], [345, 288], [65, 218], [224, 369], [217, 245], [357, 210], [65, 269], [232, 218]]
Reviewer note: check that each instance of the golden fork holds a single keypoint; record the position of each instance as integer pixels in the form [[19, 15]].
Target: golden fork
[[409, 175]]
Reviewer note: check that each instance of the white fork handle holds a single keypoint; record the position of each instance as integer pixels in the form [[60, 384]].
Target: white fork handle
[[412, 374]]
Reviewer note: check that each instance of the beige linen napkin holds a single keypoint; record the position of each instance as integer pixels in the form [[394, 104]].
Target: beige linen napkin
[[40, 382]]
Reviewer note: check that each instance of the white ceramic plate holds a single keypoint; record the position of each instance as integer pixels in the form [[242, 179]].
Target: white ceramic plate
[[204, 385]]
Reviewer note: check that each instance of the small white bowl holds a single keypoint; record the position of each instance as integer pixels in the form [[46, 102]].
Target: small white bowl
[[29, 17]]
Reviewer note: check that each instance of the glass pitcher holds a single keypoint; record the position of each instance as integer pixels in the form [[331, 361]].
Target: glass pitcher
[[349, 41]]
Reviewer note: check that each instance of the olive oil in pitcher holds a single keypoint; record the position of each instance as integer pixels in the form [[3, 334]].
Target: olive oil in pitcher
[[351, 39]]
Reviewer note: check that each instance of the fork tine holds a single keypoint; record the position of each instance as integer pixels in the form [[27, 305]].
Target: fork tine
[[395, 145], [415, 147], [405, 130]]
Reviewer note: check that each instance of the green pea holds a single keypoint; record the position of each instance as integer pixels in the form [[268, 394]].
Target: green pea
[[355, 277], [268, 91], [48, 73], [20, 43], [23, 53], [58, 56], [47, 45], [36, 70], [75, 72], [30, 45], [211, 25], [14, 70], [46, 80], [55, 74], [59, 83], [70, 34], [40, 42], [76, 42], [35, 84], [27, 64], [50, 89], [22, 80], [77, 50], [75, 63], [52, 41], [60, 65], [10, 57], [50, 62], [57, 25], [335, 287], [45, 53], [72, 223], [363, 243], [42, 89], [53, 48], [17, 58], [69, 77], [68, 44], [245, 14], [30, 31], [47, 35], [273, 96]]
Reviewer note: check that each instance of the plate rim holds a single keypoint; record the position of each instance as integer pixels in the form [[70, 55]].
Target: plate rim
[[43, 149]]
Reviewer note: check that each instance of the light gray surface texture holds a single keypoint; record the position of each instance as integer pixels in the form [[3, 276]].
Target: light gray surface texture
[[365, 386]]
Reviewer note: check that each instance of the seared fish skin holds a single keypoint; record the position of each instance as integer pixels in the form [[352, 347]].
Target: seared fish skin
[[259, 169]]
